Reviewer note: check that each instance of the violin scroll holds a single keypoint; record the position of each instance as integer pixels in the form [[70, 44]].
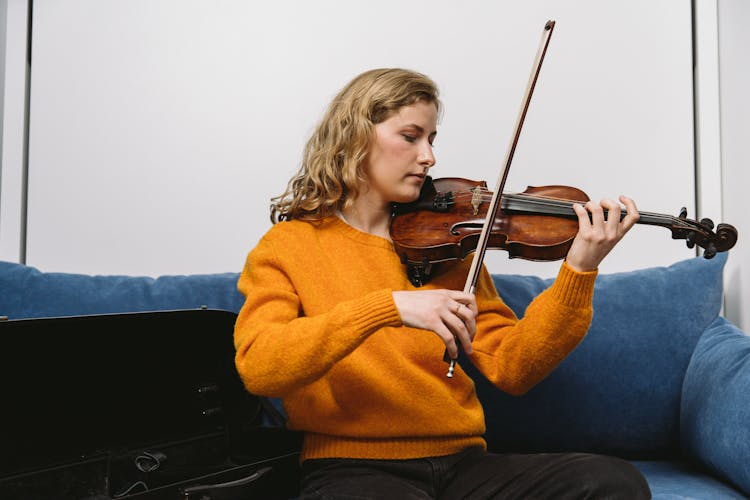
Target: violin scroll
[[702, 234]]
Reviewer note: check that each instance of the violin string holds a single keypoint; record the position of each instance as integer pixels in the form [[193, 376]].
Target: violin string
[[556, 205]]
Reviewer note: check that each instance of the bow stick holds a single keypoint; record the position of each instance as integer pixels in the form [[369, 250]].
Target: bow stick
[[476, 264]]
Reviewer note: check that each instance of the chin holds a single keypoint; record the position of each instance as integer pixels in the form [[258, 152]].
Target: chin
[[406, 197]]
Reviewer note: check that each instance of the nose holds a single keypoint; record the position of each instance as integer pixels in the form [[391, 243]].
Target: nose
[[426, 157]]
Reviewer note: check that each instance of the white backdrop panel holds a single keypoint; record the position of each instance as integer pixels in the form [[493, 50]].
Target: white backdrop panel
[[160, 129]]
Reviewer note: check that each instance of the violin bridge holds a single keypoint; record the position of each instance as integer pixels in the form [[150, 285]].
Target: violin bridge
[[476, 199]]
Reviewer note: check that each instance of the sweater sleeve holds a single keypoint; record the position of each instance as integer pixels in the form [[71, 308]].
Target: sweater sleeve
[[517, 354], [278, 348]]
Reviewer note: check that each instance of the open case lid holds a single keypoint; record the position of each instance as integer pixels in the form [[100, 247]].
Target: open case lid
[[78, 387]]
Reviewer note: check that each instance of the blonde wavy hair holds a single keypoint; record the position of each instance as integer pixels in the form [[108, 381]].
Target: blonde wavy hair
[[332, 164]]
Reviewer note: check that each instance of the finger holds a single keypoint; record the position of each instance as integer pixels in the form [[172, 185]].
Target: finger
[[614, 211], [463, 298], [472, 305], [460, 332], [465, 310], [597, 214], [468, 318], [461, 323], [583, 216], [449, 340], [632, 212]]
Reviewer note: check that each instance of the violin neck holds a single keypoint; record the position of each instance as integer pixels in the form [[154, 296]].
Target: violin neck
[[700, 233], [536, 205]]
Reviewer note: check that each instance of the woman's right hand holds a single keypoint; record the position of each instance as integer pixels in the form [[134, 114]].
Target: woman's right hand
[[449, 313]]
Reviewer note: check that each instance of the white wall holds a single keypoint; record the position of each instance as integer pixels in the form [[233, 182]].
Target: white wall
[[159, 130]]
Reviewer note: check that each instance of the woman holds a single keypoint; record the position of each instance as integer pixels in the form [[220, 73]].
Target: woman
[[332, 325]]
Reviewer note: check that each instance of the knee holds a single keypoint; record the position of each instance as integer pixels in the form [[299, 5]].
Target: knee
[[613, 478]]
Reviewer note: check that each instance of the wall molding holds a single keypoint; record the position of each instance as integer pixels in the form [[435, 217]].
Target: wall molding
[[15, 36]]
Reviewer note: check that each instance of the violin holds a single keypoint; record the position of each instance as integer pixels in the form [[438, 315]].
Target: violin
[[539, 224], [453, 217]]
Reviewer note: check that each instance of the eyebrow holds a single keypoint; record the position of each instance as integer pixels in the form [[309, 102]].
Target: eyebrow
[[420, 129]]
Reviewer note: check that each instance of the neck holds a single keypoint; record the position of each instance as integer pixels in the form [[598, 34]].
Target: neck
[[376, 221]]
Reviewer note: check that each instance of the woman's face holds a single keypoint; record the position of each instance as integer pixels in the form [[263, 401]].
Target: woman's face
[[400, 154]]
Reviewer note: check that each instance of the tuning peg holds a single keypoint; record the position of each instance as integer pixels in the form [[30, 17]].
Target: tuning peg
[[707, 223], [690, 240], [683, 213], [710, 251]]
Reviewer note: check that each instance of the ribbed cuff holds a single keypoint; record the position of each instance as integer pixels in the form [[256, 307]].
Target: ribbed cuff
[[375, 310], [572, 288]]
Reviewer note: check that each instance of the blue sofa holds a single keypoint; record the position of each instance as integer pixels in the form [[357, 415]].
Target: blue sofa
[[661, 379]]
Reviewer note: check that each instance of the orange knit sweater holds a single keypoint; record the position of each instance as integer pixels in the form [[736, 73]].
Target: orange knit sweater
[[320, 329]]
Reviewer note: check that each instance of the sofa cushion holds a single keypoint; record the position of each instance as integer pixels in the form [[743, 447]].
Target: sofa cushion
[[715, 417], [677, 480], [618, 392], [25, 292]]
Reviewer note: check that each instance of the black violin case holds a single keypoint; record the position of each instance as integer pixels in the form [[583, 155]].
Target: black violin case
[[135, 406]]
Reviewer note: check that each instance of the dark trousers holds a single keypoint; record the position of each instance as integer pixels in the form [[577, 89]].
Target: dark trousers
[[475, 474]]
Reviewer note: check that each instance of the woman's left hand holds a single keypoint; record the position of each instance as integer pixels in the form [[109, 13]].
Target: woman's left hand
[[598, 234]]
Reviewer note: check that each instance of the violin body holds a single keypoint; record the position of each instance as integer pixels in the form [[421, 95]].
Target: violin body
[[539, 224], [420, 233]]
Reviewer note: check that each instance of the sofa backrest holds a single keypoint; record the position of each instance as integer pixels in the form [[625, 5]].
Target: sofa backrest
[[619, 391], [26, 292]]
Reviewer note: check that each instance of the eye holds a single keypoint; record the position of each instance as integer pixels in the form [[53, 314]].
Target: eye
[[409, 138]]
